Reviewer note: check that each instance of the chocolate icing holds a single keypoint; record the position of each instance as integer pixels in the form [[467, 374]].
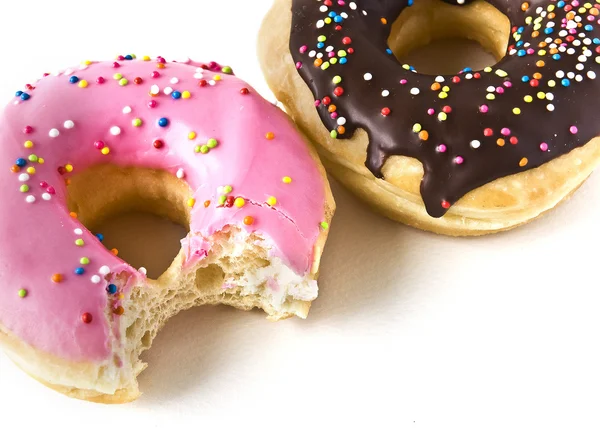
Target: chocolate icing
[[537, 135]]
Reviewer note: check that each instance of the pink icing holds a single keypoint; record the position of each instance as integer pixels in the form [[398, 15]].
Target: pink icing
[[37, 239]]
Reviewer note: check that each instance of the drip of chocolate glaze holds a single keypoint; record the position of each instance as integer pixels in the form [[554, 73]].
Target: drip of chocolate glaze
[[481, 159]]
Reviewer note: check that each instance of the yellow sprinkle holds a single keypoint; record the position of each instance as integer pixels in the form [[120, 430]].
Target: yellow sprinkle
[[239, 202], [501, 73], [87, 62], [192, 135], [137, 122], [523, 161], [528, 98], [105, 150], [286, 180], [69, 167], [517, 111], [191, 202], [528, 20], [146, 58], [217, 77], [490, 97], [446, 89], [28, 144], [537, 26], [442, 116], [327, 20], [41, 161], [551, 83], [550, 8], [541, 95], [443, 95], [487, 69], [406, 66], [82, 84], [542, 52], [272, 201], [417, 128], [31, 170], [185, 95]]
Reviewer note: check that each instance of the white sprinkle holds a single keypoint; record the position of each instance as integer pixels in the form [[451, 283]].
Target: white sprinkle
[[69, 124], [579, 67], [78, 231], [180, 173], [30, 199], [320, 24], [368, 76], [491, 89], [577, 43], [68, 71], [212, 82], [562, 49], [364, 13], [104, 270], [127, 109], [46, 196], [344, 15], [174, 80], [329, 49], [439, 79], [96, 279], [198, 75], [586, 41], [24, 177], [550, 107], [312, 53], [571, 75], [512, 52], [588, 53], [115, 131], [582, 58], [143, 271], [154, 89], [54, 133], [341, 121], [549, 96], [323, 8], [578, 78], [591, 75], [571, 24], [353, 6], [563, 33], [385, 93], [560, 74], [415, 91], [199, 70], [469, 76], [168, 90], [475, 144], [319, 55]]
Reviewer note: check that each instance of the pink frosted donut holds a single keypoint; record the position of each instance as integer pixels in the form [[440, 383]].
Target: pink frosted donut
[[184, 140]]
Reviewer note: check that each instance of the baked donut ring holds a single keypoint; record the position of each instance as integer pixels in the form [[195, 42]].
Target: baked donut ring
[[187, 141], [469, 154]]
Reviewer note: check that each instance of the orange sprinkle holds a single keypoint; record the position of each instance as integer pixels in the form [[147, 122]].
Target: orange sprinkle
[[436, 86], [537, 76], [558, 41], [248, 220], [523, 162], [383, 21], [551, 15], [524, 6], [318, 62], [270, 135], [15, 168], [73, 215], [332, 108], [542, 44], [540, 64], [571, 15], [57, 277], [423, 135], [594, 12], [500, 142], [553, 51], [206, 204], [67, 181], [341, 129], [535, 34], [160, 65], [115, 251], [119, 311]]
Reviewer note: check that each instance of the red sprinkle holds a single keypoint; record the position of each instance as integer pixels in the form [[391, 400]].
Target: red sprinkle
[[455, 79], [116, 65], [326, 101], [447, 109], [445, 204], [86, 318], [138, 81], [514, 140], [488, 132], [152, 104], [155, 74], [386, 111], [100, 80], [338, 92], [244, 91], [158, 144], [28, 129], [346, 40], [202, 83]]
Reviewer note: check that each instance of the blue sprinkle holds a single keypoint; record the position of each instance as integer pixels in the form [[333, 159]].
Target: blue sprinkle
[[163, 122], [111, 289], [21, 162], [467, 69], [525, 79], [410, 2], [565, 82], [548, 30], [596, 41], [320, 45], [100, 237], [176, 95], [129, 57], [18, 93], [79, 271], [343, 60], [589, 27], [73, 79], [560, 4], [332, 14], [338, 19], [520, 29], [556, 56], [521, 53], [25, 96], [520, 43], [389, 51]]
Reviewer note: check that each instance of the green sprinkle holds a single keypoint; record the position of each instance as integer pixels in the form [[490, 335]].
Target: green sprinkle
[[197, 149], [226, 70], [333, 134], [24, 188], [417, 128], [33, 158], [84, 260], [212, 143], [79, 242], [227, 189], [487, 69], [342, 53], [333, 60], [204, 149], [325, 66], [324, 225], [222, 199], [123, 82], [137, 122], [118, 76], [322, 38], [22, 293]]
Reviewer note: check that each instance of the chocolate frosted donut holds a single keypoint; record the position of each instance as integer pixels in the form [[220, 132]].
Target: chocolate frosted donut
[[473, 140]]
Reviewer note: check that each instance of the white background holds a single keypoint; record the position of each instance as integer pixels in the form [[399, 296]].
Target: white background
[[412, 330]]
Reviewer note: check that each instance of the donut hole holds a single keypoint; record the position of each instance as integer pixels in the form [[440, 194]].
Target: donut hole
[[140, 212], [438, 38]]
